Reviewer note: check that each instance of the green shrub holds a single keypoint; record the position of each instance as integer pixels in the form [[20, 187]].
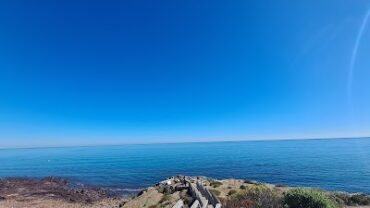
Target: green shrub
[[215, 184], [215, 192], [342, 198], [307, 198], [259, 196], [243, 187], [339, 198], [360, 199], [352, 199], [231, 192]]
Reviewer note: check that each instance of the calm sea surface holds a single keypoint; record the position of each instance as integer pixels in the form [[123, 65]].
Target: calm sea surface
[[337, 164]]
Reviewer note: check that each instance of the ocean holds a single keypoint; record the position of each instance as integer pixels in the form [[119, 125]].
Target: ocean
[[333, 164]]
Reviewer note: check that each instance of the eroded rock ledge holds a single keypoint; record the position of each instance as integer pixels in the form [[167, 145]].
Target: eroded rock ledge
[[50, 191]]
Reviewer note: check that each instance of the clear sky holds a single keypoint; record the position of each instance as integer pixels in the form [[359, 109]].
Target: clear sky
[[110, 72]]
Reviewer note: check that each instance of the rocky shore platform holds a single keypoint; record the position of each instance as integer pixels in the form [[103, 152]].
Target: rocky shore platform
[[53, 192]]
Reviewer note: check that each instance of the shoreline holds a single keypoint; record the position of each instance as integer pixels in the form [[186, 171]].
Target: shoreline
[[52, 191]]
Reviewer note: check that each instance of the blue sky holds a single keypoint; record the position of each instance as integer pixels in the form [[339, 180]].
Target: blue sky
[[110, 72]]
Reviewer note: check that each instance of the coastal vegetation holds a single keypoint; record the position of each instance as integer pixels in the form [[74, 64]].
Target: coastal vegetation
[[308, 198], [215, 191], [263, 196], [254, 197], [215, 183], [250, 194], [358, 199]]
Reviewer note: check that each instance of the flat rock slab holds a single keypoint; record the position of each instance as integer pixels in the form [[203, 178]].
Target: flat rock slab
[[25, 189]]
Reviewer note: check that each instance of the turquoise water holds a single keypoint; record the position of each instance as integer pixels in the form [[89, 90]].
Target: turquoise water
[[337, 164]]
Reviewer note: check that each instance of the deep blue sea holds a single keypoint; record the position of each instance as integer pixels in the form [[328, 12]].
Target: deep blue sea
[[336, 164]]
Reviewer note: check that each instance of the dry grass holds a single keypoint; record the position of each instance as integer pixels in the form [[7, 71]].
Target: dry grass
[[149, 198], [227, 185], [152, 198]]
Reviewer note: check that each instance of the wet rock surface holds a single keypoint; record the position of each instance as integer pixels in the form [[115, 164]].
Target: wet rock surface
[[23, 189]]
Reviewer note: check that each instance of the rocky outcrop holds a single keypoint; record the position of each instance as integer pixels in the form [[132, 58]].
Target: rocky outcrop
[[202, 197], [49, 188]]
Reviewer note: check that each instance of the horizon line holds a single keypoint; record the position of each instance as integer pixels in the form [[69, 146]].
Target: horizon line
[[182, 142]]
